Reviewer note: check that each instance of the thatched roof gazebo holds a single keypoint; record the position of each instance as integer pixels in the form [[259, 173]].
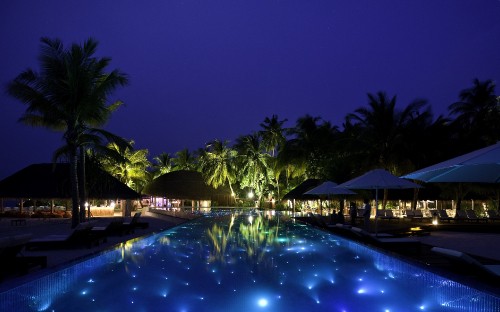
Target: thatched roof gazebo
[[186, 185], [52, 181]]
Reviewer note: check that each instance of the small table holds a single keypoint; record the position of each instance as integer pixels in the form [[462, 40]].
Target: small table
[[17, 222]]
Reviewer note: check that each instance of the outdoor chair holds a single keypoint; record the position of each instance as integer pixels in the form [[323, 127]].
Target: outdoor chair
[[80, 236], [409, 213], [12, 259], [458, 257], [389, 215], [461, 215], [493, 214], [387, 241], [129, 227], [443, 216], [471, 215], [114, 227]]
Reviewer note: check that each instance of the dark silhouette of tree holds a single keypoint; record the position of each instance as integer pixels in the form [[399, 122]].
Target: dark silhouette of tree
[[69, 94]]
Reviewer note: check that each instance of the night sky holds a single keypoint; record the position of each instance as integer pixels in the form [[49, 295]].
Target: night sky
[[207, 69]]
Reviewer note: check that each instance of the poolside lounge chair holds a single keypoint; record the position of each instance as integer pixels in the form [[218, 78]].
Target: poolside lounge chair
[[389, 215], [129, 227], [114, 227], [471, 215], [11, 259], [461, 215], [459, 257], [80, 236], [387, 240], [493, 214], [443, 216]]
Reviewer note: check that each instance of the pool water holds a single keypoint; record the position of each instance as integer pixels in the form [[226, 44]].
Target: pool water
[[244, 262]]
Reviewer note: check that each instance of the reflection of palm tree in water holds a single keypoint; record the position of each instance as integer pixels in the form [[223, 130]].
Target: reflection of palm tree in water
[[254, 238], [219, 240]]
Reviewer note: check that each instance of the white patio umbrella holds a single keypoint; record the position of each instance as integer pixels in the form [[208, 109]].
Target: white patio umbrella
[[378, 179], [480, 166], [328, 189]]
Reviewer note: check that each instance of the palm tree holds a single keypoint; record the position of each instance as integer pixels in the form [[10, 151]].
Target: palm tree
[[273, 134], [253, 164], [69, 94], [382, 133], [217, 164], [477, 114], [162, 164], [184, 160], [132, 170]]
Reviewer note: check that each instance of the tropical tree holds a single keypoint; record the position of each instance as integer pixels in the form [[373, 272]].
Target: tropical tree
[[273, 134], [383, 133], [477, 115], [310, 146], [252, 164], [184, 160], [69, 94], [132, 170], [217, 164], [162, 164]]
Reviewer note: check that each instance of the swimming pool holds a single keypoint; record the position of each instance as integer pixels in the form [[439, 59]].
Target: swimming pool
[[244, 262]]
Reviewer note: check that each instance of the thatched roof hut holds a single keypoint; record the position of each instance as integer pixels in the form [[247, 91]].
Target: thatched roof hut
[[51, 181], [186, 185]]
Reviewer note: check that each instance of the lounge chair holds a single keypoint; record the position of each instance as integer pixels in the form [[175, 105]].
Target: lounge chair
[[463, 258], [409, 213], [11, 259], [114, 227], [443, 216], [493, 214], [461, 215], [129, 227], [80, 236], [389, 215], [387, 240], [471, 215]]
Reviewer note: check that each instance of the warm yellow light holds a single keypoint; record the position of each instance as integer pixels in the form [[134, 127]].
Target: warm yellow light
[[250, 194], [434, 222]]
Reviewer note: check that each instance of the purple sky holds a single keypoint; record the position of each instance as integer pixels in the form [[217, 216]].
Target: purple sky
[[207, 69]]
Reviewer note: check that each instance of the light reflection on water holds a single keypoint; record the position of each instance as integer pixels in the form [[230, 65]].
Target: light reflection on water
[[237, 263]]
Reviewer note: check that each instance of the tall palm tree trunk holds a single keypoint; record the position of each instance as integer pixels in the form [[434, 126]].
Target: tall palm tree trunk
[[82, 183], [73, 171]]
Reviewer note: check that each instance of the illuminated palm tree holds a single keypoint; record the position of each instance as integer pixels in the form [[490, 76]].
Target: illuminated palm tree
[[132, 170], [252, 164], [217, 164], [184, 160], [69, 94], [162, 164]]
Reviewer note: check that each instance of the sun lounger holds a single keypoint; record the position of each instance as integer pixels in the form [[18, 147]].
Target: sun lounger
[[463, 258], [443, 216], [129, 227], [80, 236], [387, 240], [11, 259], [389, 215], [472, 216], [493, 214], [112, 228]]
